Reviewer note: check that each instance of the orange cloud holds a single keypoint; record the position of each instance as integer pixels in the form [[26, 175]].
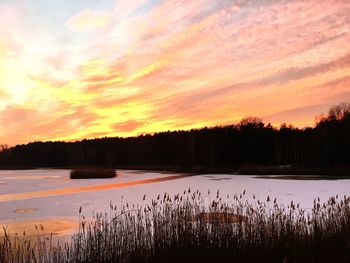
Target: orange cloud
[[128, 126]]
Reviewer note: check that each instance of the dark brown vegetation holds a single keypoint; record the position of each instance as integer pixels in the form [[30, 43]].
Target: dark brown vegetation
[[321, 149], [217, 217], [171, 229], [90, 173], [321, 172]]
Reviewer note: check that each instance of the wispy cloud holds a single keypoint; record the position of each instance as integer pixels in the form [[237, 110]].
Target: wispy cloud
[[88, 20]]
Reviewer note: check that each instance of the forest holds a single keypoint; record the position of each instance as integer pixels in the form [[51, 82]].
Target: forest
[[250, 142]]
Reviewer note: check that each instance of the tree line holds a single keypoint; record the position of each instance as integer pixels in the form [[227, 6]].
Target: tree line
[[249, 142]]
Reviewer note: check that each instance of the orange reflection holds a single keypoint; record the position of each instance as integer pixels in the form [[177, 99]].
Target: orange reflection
[[74, 190]]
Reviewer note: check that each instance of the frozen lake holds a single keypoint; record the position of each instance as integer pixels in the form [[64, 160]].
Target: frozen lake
[[51, 197]]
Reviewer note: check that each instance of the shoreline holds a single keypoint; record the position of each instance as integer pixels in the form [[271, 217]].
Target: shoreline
[[241, 170]]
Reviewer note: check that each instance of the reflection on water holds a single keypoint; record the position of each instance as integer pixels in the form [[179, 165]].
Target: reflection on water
[[25, 210], [32, 177], [56, 227], [73, 190]]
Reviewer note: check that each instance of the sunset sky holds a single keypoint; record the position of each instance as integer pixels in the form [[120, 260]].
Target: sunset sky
[[73, 69]]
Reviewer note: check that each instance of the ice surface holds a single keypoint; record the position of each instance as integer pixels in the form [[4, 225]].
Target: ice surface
[[67, 205]]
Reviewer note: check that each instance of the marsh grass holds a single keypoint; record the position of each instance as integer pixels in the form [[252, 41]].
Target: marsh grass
[[89, 173], [189, 228]]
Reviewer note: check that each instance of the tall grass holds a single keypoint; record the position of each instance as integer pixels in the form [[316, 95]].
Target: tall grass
[[186, 228]]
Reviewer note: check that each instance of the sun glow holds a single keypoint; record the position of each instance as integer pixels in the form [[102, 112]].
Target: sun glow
[[14, 82]]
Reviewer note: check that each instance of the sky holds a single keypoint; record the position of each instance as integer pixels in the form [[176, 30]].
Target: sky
[[92, 68]]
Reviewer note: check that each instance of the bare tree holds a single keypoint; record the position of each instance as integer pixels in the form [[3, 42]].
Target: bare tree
[[339, 112], [254, 122], [3, 147]]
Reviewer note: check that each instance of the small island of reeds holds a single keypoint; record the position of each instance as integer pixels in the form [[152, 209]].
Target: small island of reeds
[[92, 173]]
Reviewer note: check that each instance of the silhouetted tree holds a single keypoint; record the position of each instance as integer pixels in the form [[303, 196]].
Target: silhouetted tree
[[249, 142]]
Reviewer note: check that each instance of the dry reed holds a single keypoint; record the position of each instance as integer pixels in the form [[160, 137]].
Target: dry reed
[[185, 228]]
